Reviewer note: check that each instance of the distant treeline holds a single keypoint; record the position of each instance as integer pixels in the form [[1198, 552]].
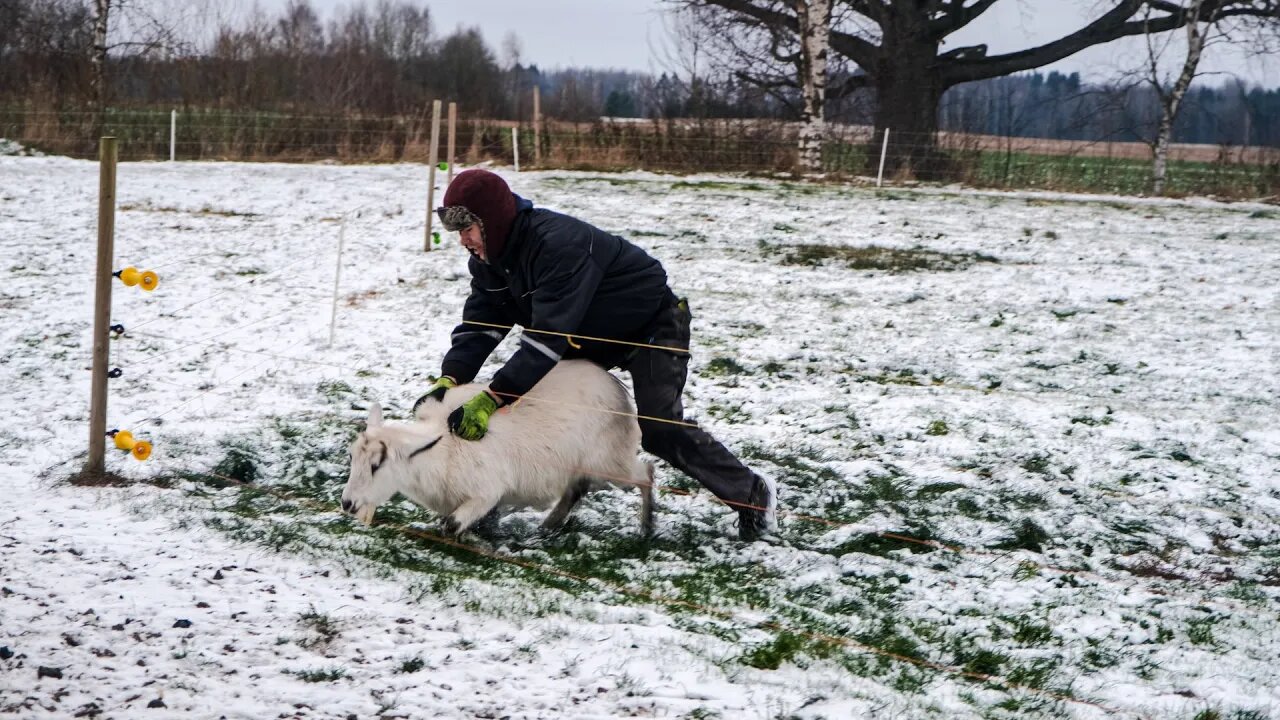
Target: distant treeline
[[389, 59], [1059, 106]]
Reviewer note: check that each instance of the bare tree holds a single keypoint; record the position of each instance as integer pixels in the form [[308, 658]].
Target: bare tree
[[897, 45], [815, 41], [131, 27], [1170, 95]]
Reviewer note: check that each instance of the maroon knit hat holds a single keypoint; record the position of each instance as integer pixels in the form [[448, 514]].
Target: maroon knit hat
[[488, 197]]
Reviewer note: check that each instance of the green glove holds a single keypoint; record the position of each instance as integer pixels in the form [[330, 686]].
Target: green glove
[[436, 392], [471, 421]]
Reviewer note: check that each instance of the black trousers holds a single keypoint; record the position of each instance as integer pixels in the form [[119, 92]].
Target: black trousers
[[658, 377]]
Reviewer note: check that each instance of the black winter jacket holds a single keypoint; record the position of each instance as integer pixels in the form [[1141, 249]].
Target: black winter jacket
[[559, 278]]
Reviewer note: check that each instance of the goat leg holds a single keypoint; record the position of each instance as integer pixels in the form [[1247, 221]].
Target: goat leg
[[466, 514], [555, 519], [647, 489]]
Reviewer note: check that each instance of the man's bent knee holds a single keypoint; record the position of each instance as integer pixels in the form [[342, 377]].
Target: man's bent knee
[[660, 441]]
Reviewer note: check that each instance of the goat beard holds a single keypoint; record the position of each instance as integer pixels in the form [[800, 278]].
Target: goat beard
[[366, 514]]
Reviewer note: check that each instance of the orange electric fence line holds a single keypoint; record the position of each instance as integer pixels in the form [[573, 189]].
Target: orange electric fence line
[[879, 533], [677, 602], [1223, 511]]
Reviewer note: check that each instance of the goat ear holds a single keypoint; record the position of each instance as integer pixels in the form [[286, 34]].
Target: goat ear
[[375, 416]]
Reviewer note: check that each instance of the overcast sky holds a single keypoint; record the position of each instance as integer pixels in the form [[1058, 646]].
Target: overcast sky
[[630, 35]]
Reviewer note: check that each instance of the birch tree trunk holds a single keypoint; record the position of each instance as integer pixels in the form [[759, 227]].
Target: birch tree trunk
[[98, 66], [815, 42], [1171, 101]]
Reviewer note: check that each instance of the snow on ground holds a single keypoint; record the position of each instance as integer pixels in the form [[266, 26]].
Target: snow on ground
[[1076, 395]]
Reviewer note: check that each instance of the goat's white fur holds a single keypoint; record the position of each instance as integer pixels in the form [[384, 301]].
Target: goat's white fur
[[575, 430]]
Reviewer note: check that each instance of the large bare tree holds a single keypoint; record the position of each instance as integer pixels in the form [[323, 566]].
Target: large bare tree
[[897, 47]]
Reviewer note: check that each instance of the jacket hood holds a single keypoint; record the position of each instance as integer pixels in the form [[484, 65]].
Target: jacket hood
[[487, 196]]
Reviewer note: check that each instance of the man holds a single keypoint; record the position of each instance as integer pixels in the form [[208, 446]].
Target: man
[[580, 292]]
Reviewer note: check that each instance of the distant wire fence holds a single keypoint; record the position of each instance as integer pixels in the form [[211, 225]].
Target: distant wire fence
[[679, 145]]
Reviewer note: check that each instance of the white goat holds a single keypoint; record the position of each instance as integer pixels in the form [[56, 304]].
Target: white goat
[[575, 431]]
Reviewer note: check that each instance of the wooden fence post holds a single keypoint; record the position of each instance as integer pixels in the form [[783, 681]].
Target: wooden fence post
[[453, 136], [433, 158], [515, 146], [107, 154], [537, 126]]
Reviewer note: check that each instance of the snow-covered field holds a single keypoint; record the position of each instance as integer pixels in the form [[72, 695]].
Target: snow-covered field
[[1037, 474]]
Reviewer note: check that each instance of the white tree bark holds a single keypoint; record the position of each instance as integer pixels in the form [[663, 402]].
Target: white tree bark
[[815, 43], [98, 61], [1171, 100]]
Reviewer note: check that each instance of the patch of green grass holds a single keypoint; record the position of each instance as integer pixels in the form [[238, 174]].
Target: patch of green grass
[[714, 584], [1038, 464], [1026, 570], [883, 488], [1246, 592], [716, 185], [803, 467], [889, 542], [1200, 632], [892, 260], [1029, 632], [906, 376], [983, 662], [1098, 658], [723, 366], [324, 629], [781, 649], [319, 675], [240, 464], [1036, 673], [335, 389], [936, 489], [773, 368], [887, 636], [1026, 535], [937, 427]]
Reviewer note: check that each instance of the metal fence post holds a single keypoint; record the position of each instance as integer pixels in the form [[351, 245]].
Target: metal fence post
[[515, 146], [884, 150]]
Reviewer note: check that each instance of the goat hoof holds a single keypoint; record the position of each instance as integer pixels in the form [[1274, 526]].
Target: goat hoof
[[451, 527]]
